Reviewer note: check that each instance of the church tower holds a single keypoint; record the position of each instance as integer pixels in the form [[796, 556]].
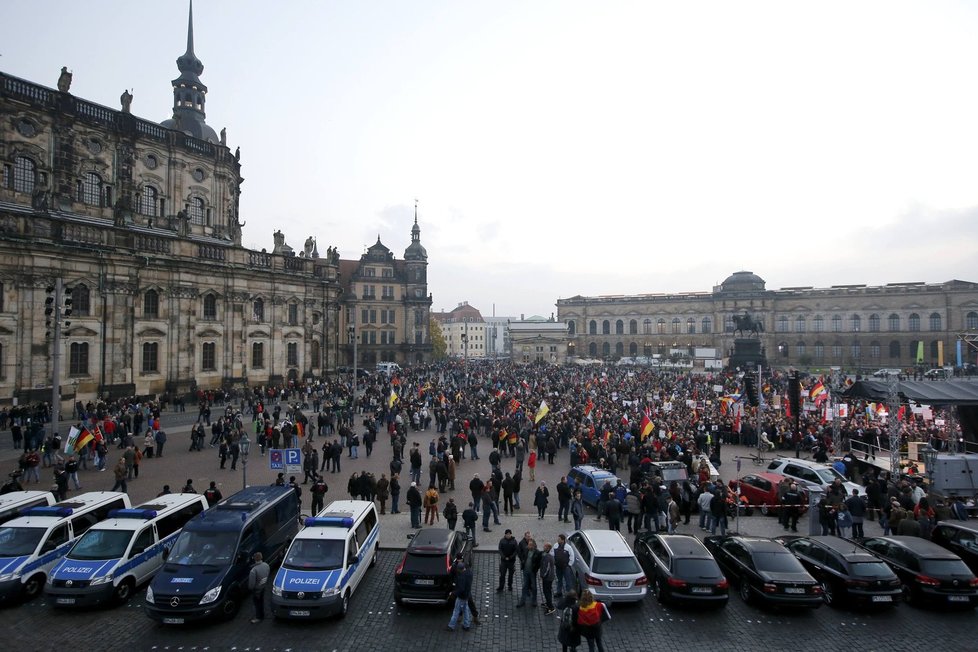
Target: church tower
[[189, 93], [416, 296]]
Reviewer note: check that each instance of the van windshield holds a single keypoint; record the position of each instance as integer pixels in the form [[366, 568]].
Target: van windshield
[[101, 544], [315, 554], [17, 541], [203, 548]]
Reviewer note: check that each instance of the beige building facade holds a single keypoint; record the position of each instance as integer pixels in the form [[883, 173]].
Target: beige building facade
[[465, 331], [538, 340], [857, 327]]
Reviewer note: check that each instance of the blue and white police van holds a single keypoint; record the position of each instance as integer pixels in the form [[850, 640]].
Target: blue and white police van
[[15, 502], [327, 561], [125, 550], [32, 544]]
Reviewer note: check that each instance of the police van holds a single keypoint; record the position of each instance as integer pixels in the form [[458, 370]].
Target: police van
[[327, 561], [13, 503], [206, 572], [32, 544], [115, 556]]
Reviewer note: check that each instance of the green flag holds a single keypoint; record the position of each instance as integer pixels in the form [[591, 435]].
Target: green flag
[[920, 352]]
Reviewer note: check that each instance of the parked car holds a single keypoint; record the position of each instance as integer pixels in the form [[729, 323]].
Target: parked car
[[961, 538], [424, 575], [807, 472], [590, 479], [765, 570], [761, 490], [929, 574], [940, 373], [887, 373], [681, 570], [604, 563], [847, 573]]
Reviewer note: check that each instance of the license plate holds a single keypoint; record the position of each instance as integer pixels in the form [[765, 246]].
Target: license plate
[[794, 589], [882, 598], [65, 601], [173, 621], [702, 589], [957, 598], [425, 582], [298, 612], [619, 584]]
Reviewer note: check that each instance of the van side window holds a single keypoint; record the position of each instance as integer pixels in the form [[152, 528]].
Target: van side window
[[268, 524], [58, 536], [287, 508], [82, 522], [144, 540], [174, 522]]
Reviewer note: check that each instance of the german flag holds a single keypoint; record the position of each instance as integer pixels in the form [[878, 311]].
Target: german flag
[[84, 439]]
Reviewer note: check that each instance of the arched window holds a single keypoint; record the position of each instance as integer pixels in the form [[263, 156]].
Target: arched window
[[606, 350], [691, 326], [151, 358], [819, 324], [782, 324], [783, 350], [619, 349], [91, 190], [874, 323], [706, 326], [633, 349], [78, 359], [933, 351], [799, 324], [593, 328], [855, 323], [893, 322], [836, 324], [633, 327], [149, 201], [314, 354], [677, 325], [258, 311], [894, 350], [25, 174], [660, 326], [151, 304], [571, 327], [196, 211], [592, 349], [914, 322], [935, 321], [606, 327], [619, 327], [647, 327], [874, 350], [81, 300], [210, 307], [800, 349], [819, 351], [971, 320]]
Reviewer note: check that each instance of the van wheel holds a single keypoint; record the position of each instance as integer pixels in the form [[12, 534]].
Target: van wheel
[[373, 560], [230, 607], [33, 586], [345, 605], [124, 591]]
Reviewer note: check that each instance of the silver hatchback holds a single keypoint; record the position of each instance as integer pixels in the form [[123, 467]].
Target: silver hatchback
[[605, 564]]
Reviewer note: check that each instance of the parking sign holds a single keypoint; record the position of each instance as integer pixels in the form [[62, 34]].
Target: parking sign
[[293, 460]]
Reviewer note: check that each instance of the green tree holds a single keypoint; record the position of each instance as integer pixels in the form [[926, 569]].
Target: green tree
[[439, 348]]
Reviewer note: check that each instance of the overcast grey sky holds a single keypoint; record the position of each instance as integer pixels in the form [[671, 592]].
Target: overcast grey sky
[[563, 147]]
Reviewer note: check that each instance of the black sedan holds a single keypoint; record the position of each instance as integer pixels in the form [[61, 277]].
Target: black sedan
[[766, 571], [846, 572], [928, 573], [681, 570], [961, 538]]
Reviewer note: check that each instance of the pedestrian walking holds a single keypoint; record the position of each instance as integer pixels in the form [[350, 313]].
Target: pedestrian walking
[[257, 580]]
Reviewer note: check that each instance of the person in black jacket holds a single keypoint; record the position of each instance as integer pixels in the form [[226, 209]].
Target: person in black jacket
[[413, 499], [530, 568], [451, 513], [462, 593], [469, 519], [508, 552], [563, 500]]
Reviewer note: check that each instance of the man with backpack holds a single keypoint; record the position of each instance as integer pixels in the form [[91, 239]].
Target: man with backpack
[[212, 494]]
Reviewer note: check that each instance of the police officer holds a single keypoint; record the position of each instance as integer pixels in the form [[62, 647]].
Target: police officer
[[318, 491]]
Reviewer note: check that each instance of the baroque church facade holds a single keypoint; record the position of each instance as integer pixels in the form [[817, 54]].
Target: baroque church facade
[[856, 327], [140, 220]]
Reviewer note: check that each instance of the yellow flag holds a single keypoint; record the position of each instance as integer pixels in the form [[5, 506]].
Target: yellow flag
[[392, 400], [541, 412]]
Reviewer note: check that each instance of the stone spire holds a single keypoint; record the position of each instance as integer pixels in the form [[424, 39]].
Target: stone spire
[[189, 93]]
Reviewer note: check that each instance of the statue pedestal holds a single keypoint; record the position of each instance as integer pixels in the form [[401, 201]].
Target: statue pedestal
[[747, 354]]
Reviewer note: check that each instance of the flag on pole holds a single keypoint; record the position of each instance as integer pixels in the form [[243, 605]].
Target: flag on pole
[[514, 405], [541, 412], [817, 390], [84, 439], [72, 440], [647, 425], [299, 430], [588, 407], [392, 399], [787, 408], [920, 352]]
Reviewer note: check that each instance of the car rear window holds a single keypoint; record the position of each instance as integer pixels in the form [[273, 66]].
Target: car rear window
[[777, 562], [943, 567], [615, 565], [871, 569], [696, 568], [435, 564]]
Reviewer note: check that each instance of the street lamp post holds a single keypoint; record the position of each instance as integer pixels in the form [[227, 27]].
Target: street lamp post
[[244, 445], [352, 329]]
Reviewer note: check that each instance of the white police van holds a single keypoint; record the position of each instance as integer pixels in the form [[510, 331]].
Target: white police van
[[15, 502], [326, 561], [32, 544], [115, 556]]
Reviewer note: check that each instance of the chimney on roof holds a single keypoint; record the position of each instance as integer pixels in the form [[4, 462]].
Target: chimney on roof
[[521, 317]]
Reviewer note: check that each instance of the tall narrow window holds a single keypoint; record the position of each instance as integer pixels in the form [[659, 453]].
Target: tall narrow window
[[258, 310], [257, 355], [874, 323], [935, 321], [78, 359], [151, 304], [148, 201], [81, 301], [151, 358], [210, 307], [195, 211], [208, 356], [914, 322], [293, 314], [91, 189], [292, 354], [314, 354], [25, 174]]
